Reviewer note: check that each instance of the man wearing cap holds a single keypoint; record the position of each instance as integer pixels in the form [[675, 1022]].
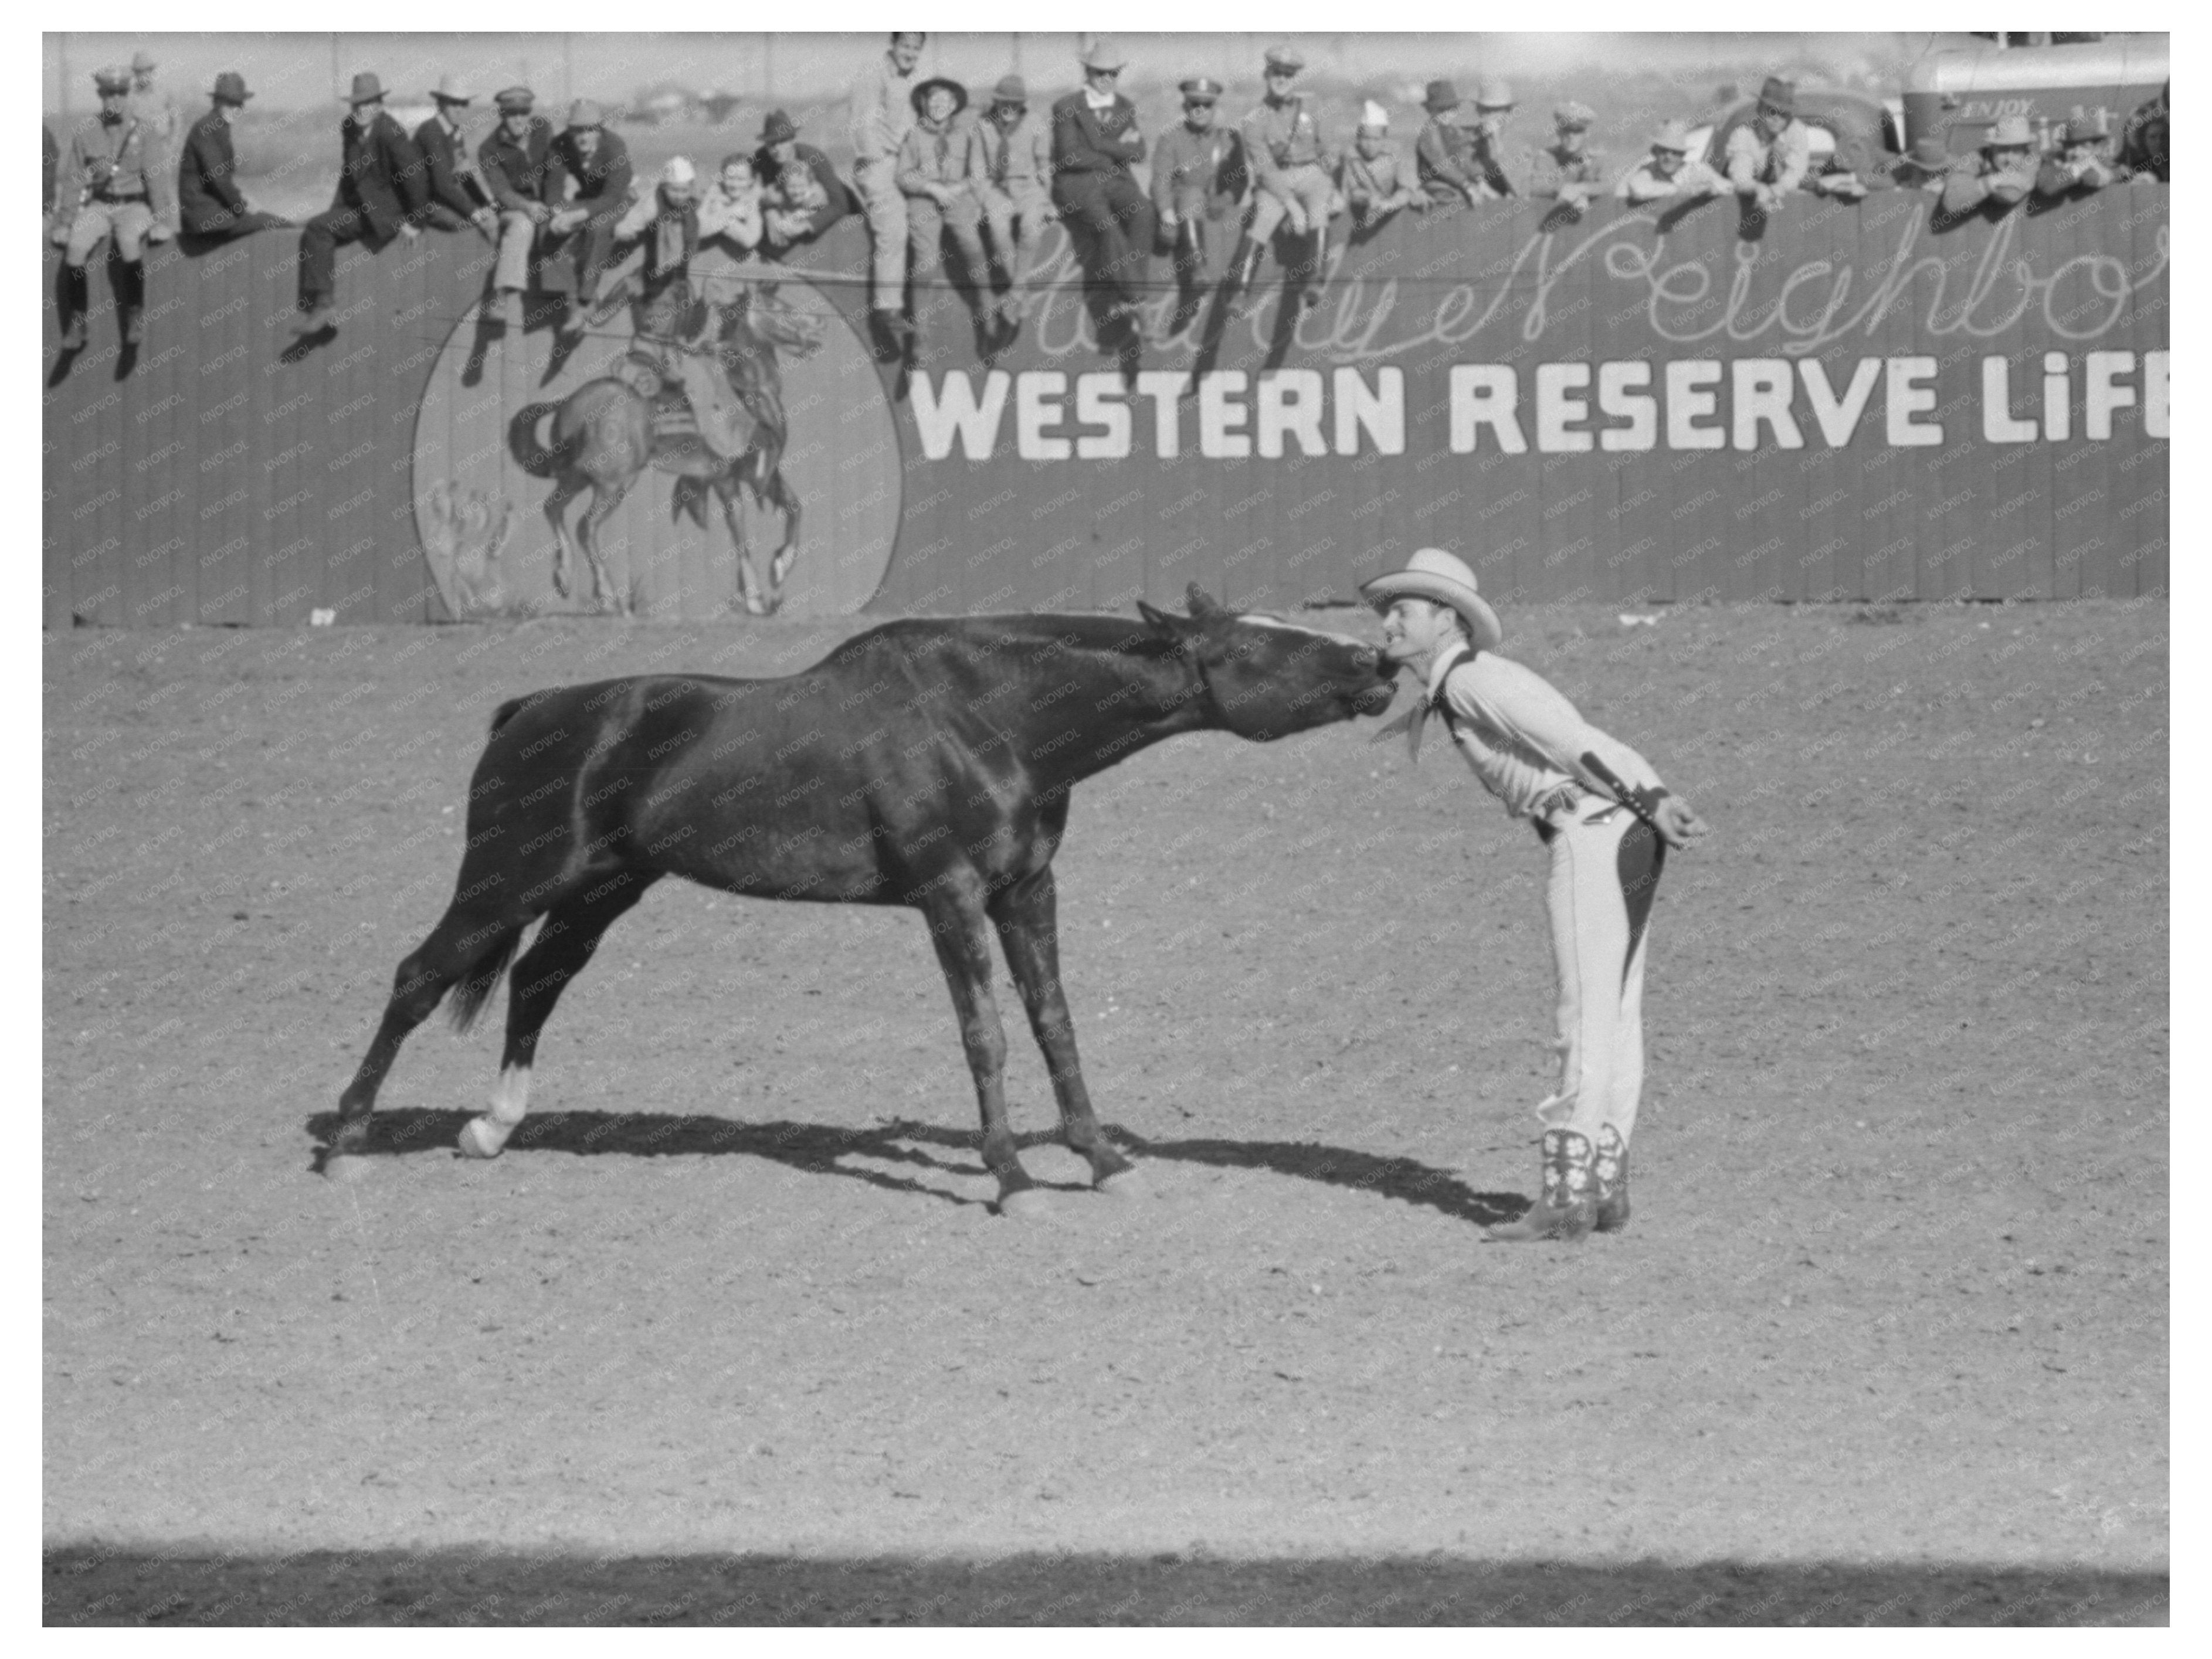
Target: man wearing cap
[[1290, 166], [1373, 179], [381, 188], [1095, 143], [1443, 154], [1667, 172], [881, 115], [1607, 823], [2146, 139], [150, 103], [114, 181], [801, 195], [456, 198], [515, 162], [1568, 170], [596, 163], [933, 174], [210, 204], [1767, 157], [1199, 177], [2080, 167], [1997, 177], [1924, 167], [1010, 164], [1486, 140]]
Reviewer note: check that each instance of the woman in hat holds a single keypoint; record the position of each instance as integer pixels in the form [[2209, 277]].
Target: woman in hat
[[210, 204], [1607, 823], [1766, 158]]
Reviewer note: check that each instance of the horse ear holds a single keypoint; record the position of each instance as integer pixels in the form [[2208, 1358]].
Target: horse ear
[[1203, 607], [1158, 620]]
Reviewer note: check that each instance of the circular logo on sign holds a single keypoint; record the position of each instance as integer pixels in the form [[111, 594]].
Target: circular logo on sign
[[723, 450]]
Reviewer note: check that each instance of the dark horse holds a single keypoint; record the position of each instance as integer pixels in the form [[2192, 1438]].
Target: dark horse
[[925, 762], [603, 439]]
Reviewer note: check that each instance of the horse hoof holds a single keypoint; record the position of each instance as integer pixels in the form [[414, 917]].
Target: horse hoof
[[1124, 1183], [343, 1169], [477, 1142], [1030, 1204]]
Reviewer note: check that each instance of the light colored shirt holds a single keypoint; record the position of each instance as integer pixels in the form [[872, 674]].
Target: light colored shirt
[[1781, 162], [1524, 740], [882, 115], [1642, 182]]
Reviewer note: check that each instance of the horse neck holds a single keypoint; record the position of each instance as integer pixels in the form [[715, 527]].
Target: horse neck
[[1120, 701]]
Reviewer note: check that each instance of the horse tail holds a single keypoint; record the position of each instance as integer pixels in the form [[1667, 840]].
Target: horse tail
[[470, 995], [538, 460]]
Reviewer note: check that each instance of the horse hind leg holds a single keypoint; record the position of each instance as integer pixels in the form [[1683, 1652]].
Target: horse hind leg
[[468, 949], [606, 496], [756, 601], [560, 953], [565, 492], [784, 499]]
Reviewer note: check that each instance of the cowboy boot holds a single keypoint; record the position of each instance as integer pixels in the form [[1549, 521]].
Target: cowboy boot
[[76, 298], [130, 302], [1566, 1208], [1609, 1180], [1244, 263]]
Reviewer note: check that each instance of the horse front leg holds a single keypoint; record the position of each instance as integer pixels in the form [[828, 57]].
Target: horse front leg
[[1026, 915], [749, 589], [784, 499], [565, 491], [957, 929], [606, 496]]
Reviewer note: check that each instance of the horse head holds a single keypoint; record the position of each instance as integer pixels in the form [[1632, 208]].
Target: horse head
[[771, 320], [1268, 677]]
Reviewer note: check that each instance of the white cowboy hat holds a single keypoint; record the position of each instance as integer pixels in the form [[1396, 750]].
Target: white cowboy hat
[[1444, 578]]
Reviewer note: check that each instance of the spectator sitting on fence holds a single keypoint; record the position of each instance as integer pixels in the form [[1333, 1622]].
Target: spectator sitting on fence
[[596, 162], [1924, 167], [210, 204], [734, 209], [53, 162], [881, 116], [1568, 168], [1290, 167], [114, 180], [1767, 157], [801, 195], [1375, 180], [2080, 167], [1668, 173], [1443, 154], [1486, 140], [1095, 143], [1840, 175], [933, 172], [2001, 173], [381, 188], [1010, 161], [516, 162], [150, 103], [456, 198], [2144, 140]]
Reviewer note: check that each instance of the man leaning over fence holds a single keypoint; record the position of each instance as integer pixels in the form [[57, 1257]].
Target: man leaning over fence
[[381, 187], [114, 181], [801, 195], [1768, 157], [210, 204]]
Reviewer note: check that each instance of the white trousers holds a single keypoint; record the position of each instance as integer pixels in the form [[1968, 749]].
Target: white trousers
[[1605, 869]]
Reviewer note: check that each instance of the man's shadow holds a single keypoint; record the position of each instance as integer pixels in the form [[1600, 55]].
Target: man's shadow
[[927, 1148]]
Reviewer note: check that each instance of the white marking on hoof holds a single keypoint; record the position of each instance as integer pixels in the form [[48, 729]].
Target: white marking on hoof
[[1028, 1204], [1126, 1184], [482, 1138]]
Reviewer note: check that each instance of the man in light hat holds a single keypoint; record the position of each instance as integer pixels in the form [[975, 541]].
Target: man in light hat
[[881, 114], [457, 196], [1607, 822], [596, 163], [1291, 164], [1999, 175], [1924, 167], [382, 186], [2080, 167], [1373, 179], [1486, 140], [1200, 175], [1667, 172], [1443, 154], [209, 205], [801, 195], [1568, 170], [515, 162], [149, 103], [1766, 158], [114, 181], [1009, 163], [1096, 144]]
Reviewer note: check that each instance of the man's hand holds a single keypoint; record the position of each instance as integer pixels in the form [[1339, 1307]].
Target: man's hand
[[59, 235], [485, 219], [1298, 218], [1678, 825], [539, 212], [1168, 220], [157, 232], [410, 231]]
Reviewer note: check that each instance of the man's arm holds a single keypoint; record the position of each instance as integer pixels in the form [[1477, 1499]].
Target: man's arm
[[909, 178], [1964, 190], [214, 168], [1740, 160], [1164, 164], [404, 166], [1260, 155]]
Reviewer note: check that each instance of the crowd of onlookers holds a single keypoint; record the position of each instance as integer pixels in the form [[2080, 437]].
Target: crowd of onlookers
[[561, 207]]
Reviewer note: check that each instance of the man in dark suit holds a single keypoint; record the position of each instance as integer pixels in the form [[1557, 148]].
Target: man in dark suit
[[1094, 142], [516, 163], [598, 165], [455, 199], [380, 190], [209, 201]]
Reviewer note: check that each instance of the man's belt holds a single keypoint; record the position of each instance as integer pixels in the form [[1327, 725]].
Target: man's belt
[[109, 198]]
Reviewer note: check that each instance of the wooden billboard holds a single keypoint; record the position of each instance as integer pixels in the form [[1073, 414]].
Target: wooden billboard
[[1839, 402]]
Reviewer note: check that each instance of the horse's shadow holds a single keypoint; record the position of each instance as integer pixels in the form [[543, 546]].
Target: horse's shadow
[[820, 1148]]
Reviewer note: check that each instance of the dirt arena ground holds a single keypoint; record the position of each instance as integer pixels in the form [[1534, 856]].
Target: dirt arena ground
[[731, 1334]]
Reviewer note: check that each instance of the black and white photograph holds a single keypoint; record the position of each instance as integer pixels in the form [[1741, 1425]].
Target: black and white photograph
[[1199, 824]]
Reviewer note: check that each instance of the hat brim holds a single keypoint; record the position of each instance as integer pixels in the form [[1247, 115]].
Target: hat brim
[[1439, 589]]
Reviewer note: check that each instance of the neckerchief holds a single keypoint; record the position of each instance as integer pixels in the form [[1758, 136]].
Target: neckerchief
[[1417, 717]]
